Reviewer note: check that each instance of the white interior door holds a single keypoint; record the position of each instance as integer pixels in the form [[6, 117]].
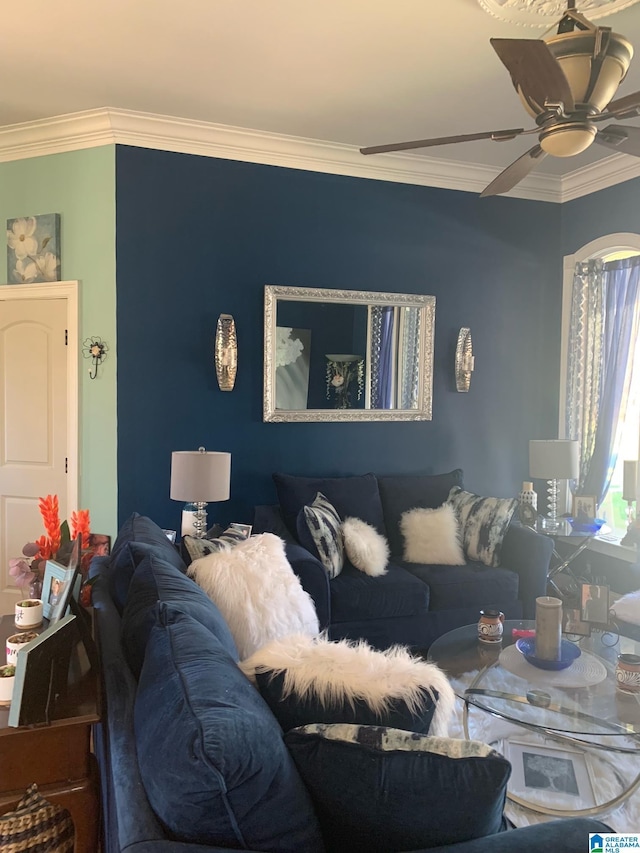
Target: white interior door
[[34, 405]]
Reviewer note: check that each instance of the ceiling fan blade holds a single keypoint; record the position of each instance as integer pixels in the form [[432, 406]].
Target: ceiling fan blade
[[625, 107], [626, 140], [495, 135], [535, 72], [514, 173]]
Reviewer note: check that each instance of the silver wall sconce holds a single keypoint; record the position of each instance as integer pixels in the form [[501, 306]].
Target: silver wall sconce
[[465, 361], [226, 352], [95, 349]]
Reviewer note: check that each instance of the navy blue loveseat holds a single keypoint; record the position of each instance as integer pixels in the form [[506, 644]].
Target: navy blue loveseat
[[412, 604], [187, 748]]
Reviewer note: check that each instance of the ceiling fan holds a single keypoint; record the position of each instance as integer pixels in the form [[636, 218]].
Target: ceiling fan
[[566, 82]]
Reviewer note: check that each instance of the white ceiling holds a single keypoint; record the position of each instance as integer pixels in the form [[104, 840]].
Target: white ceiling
[[357, 72]]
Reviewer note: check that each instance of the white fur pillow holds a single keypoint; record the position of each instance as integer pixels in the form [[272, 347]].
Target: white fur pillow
[[627, 608], [432, 536], [257, 592], [366, 549], [342, 672]]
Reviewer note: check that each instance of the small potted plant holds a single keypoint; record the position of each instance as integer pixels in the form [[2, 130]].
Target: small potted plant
[[28, 613], [7, 678], [15, 642]]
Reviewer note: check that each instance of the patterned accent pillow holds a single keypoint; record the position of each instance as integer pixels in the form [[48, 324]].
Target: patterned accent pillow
[[320, 531], [483, 523], [197, 547], [405, 791]]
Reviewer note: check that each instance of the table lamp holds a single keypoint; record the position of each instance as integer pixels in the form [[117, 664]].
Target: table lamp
[[200, 477], [553, 460]]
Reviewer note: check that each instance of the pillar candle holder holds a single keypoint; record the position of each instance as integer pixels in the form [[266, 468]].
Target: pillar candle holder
[[548, 627]]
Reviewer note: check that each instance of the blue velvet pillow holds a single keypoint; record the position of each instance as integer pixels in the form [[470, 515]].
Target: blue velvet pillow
[[138, 537], [351, 496], [211, 754], [404, 492], [292, 711], [380, 790], [156, 580]]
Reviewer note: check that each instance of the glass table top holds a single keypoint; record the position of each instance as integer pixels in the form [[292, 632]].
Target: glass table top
[[498, 680]]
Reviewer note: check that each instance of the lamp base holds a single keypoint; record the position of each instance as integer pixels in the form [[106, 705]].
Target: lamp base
[[194, 519], [552, 522]]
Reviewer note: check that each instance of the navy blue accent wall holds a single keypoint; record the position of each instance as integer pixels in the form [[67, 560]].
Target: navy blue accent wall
[[199, 236], [609, 211]]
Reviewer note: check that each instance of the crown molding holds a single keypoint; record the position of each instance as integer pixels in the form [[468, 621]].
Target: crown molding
[[108, 126]]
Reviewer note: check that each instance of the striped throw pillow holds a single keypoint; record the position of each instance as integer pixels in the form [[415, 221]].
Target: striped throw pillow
[[483, 523], [319, 531]]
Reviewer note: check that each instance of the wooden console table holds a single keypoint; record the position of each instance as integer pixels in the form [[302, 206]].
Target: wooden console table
[[57, 757]]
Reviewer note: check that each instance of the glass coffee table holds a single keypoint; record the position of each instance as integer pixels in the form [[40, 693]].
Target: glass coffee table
[[573, 740]]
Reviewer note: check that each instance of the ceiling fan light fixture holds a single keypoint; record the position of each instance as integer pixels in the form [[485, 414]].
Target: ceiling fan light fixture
[[565, 140], [575, 54]]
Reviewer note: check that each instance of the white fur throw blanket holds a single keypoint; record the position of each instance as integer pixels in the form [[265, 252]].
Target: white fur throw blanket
[[257, 592], [343, 672]]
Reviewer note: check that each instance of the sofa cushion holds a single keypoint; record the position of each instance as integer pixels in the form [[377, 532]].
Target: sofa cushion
[[483, 524], [156, 580], [432, 536], [356, 596], [319, 530], [366, 549], [138, 537], [357, 496], [211, 754], [471, 585], [379, 790], [257, 592], [404, 492], [309, 680]]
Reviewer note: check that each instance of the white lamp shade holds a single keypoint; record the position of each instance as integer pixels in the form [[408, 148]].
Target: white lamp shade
[[554, 459], [200, 476]]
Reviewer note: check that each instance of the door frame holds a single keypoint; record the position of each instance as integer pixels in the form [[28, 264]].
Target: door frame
[[69, 291]]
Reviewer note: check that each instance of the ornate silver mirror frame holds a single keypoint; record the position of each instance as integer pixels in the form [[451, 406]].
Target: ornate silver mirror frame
[[420, 407]]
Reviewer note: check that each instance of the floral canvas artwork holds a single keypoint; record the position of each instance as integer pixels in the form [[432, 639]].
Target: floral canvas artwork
[[33, 249]]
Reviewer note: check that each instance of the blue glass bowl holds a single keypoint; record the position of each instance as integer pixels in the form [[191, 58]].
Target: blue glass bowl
[[568, 653], [587, 527]]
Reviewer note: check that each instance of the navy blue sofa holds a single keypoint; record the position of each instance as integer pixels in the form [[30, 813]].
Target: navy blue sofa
[[163, 645], [412, 604]]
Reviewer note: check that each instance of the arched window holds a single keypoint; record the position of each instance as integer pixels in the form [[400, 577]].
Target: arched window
[[597, 333]]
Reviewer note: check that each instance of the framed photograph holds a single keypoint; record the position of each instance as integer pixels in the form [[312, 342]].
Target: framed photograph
[[551, 772], [572, 623], [242, 528], [57, 585], [99, 544], [42, 672], [594, 603], [584, 506], [171, 535]]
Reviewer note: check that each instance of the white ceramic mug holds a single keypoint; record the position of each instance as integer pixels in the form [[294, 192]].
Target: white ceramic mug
[[628, 673], [16, 642], [28, 613]]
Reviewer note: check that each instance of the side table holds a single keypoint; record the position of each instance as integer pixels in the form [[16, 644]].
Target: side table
[[57, 757], [579, 541]]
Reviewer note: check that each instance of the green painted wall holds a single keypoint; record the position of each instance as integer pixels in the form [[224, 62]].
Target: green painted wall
[[80, 185]]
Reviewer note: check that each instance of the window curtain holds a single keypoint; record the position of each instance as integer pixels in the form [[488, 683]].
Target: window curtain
[[602, 337], [381, 357]]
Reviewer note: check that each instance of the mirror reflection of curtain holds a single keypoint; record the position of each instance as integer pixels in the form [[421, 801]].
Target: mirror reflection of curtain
[[409, 355], [603, 332], [381, 356]]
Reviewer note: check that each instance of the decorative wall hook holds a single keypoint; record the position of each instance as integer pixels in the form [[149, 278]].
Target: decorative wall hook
[[465, 360], [226, 352], [95, 349]]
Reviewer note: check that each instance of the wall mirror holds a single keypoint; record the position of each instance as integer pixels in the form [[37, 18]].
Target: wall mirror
[[347, 355]]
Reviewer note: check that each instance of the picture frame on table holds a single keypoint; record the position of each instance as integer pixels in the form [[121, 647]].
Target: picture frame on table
[[572, 623], [58, 584], [584, 506], [594, 603], [549, 771], [99, 544], [242, 528]]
